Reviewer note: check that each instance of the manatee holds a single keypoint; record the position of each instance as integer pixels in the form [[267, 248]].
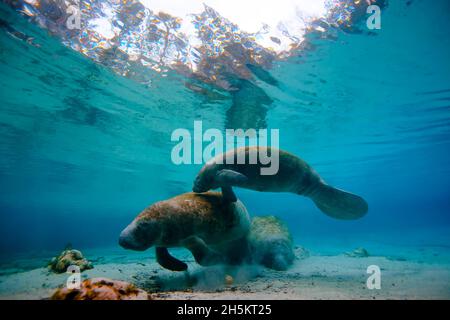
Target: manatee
[[270, 243], [209, 225], [294, 175]]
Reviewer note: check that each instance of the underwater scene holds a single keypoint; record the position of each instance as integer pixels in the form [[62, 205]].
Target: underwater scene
[[168, 149]]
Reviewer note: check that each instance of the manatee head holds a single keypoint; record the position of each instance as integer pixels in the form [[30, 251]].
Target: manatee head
[[271, 243], [276, 254], [205, 179], [140, 234]]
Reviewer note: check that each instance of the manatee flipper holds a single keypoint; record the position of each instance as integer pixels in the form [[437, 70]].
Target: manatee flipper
[[164, 258], [203, 255], [339, 204], [227, 177], [228, 194]]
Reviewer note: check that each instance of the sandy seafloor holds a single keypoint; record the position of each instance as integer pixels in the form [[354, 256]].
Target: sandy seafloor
[[408, 272]]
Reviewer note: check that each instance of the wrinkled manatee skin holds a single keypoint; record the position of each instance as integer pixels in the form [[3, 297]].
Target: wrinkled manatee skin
[[270, 243]]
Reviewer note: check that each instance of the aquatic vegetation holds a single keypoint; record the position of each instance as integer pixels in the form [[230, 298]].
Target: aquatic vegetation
[[69, 257], [101, 289]]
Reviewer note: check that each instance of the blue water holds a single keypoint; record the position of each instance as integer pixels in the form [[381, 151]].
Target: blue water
[[83, 150]]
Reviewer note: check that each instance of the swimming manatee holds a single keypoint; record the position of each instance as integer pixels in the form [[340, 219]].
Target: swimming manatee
[[293, 175], [208, 224]]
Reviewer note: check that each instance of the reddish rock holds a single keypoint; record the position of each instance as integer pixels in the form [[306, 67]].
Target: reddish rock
[[102, 289]]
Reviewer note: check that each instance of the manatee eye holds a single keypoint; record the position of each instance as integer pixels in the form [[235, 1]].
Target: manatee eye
[[145, 232]]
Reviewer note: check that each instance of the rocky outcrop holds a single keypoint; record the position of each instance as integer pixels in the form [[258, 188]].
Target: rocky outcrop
[[101, 289], [301, 252], [69, 257], [358, 253]]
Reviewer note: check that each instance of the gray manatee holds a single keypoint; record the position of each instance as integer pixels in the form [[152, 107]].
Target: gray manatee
[[270, 243], [294, 175]]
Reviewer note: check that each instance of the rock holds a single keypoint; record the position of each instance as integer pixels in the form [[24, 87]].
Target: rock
[[67, 258], [358, 253], [101, 289], [301, 252], [229, 280]]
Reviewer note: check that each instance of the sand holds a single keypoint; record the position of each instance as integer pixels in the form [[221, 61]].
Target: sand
[[423, 274]]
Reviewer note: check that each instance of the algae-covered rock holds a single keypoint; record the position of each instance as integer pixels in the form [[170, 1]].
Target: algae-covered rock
[[301, 252], [229, 280], [270, 243], [101, 289], [358, 253], [68, 258]]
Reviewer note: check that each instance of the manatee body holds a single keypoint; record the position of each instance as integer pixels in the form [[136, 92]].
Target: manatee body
[[294, 175], [203, 223], [270, 243]]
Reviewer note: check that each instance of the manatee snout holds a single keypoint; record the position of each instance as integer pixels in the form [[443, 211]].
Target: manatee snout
[[199, 189], [282, 258], [200, 185], [138, 236], [275, 255]]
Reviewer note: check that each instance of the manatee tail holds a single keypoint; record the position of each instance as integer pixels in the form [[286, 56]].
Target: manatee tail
[[339, 204]]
